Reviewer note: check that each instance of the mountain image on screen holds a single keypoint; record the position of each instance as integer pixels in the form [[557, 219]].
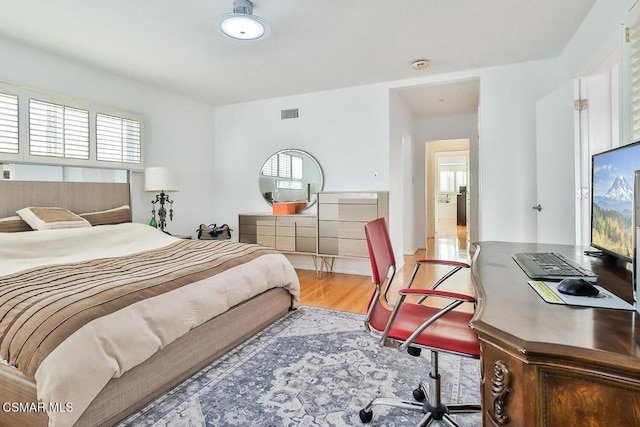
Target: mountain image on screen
[[612, 218]]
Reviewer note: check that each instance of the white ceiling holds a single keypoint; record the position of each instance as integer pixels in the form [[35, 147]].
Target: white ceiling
[[314, 45]]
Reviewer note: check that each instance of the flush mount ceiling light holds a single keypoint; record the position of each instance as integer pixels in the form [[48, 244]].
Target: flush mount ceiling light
[[420, 64], [242, 24]]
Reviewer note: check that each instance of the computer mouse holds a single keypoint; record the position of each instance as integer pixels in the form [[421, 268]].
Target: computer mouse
[[577, 287]]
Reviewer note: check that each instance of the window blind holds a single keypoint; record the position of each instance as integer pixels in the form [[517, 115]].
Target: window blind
[[58, 131], [270, 167], [296, 167], [9, 124], [117, 139], [284, 165]]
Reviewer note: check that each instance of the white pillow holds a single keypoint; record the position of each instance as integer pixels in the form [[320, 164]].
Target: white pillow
[[51, 218]]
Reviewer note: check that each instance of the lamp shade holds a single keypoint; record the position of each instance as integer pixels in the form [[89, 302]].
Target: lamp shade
[[160, 179]]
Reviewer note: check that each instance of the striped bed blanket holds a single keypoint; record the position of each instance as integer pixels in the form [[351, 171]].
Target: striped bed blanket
[[93, 318]]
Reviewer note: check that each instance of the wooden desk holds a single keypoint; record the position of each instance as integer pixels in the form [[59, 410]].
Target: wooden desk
[[553, 365]]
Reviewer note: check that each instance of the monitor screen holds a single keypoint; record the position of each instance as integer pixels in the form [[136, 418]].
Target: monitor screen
[[612, 182]]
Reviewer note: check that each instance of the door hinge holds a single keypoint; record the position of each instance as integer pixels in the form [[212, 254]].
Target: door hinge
[[627, 35], [582, 193], [581, 104]]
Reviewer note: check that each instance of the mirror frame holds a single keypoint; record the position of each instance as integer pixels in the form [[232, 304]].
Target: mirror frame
[[312, 196]]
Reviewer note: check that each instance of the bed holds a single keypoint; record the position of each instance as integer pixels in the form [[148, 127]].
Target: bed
[[157, 308]]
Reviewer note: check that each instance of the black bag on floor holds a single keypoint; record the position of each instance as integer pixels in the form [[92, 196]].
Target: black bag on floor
[[213, 232]]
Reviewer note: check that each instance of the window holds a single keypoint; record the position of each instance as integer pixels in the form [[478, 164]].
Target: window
[[283, 165], [43, 128], [270, 167], [9, 124], [447, 181], [58, 131], [117, 139]]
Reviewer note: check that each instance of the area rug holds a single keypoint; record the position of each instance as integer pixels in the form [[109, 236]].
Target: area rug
[[314, 368]]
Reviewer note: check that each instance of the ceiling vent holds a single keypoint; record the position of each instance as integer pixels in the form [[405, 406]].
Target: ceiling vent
[[289, 114]]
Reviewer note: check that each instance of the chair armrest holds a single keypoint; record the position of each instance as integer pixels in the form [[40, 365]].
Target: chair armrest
[[437, 293], [443, 262]]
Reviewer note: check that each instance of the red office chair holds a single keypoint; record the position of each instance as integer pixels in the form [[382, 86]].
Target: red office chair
[[414, 326]]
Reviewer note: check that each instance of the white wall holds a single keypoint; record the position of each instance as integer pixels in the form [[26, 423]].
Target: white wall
[[347, 131], [178, 131], [358, 131], [402, 212]]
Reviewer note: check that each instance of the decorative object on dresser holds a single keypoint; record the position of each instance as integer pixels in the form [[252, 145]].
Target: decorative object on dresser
[[162, 180], [290, 176]]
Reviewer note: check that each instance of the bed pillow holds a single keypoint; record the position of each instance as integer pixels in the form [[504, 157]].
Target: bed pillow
[[111, 216], [13, 224], [40, 218]]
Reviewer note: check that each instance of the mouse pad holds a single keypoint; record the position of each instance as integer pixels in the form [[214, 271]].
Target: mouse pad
[[605, 299]]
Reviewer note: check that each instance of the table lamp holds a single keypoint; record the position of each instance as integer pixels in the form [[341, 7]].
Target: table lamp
[[161, 180]]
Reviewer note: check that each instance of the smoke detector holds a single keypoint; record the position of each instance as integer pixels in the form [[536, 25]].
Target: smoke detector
[[420, 64]]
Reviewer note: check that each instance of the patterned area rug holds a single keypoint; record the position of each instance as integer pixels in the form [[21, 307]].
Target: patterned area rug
[[313, 368]]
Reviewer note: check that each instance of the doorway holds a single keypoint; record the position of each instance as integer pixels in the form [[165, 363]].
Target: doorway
[[447, 196]]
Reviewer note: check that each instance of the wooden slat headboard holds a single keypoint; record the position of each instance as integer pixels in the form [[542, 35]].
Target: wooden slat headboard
[[78, 197]]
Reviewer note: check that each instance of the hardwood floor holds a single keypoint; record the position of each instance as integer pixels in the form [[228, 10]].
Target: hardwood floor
[[349, 292]]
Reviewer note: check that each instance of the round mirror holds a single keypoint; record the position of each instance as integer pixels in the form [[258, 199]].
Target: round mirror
[[291, 176]]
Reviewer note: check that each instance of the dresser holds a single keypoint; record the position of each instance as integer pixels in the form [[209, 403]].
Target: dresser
[[341, 220], [286, 233]]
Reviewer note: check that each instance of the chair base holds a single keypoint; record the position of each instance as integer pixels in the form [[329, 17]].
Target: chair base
[[428, 402], [431, 414]]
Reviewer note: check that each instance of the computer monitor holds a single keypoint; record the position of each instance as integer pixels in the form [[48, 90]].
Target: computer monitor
[[612, 181]]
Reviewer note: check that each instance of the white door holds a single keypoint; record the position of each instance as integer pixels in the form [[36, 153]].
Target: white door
[[555, 206]]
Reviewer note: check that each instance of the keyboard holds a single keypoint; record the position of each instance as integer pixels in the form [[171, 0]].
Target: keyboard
[[551, 266]]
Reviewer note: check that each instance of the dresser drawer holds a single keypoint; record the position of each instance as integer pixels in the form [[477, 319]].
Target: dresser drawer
[[306, 232], [352, 230], [328, 228], [328, 245], [363, 199], [353, 247], [266, 240], [357, 212], [285, 230], [247, 238], [328, 212], [348, 197], [285, 243], [306, 244], [309, 221], [265, 228], [249, 229]]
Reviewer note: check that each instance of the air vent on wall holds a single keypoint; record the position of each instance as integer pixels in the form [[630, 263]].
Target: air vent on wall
[[289, 114]]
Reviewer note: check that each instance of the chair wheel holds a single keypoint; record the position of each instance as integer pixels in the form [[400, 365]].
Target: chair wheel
[[418, 395], [366, 415]]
